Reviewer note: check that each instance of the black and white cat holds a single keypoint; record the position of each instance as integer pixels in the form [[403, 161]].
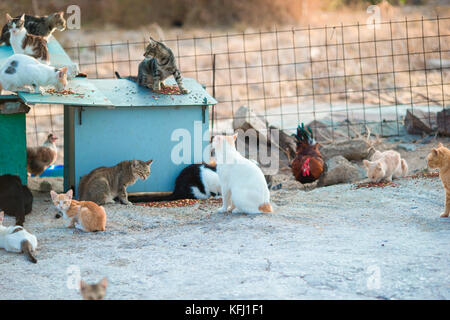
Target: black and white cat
[[197, 181]]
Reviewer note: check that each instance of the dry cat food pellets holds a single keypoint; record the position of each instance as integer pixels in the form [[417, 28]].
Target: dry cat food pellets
[[170, 204], [179, 203], [170, 90], [375, 185], [64, 92]]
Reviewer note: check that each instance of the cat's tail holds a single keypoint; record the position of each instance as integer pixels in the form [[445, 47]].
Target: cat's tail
[[265, 207], [404, 167], [27, 249], [131, 78]]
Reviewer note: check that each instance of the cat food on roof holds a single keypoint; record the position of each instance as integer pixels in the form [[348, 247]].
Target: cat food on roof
[[64, 92]]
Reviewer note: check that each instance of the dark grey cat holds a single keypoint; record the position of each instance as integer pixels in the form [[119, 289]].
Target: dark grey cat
[[158, 65], [104, 184], [38, 26]]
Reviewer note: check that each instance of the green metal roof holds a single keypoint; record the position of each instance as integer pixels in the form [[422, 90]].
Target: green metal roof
[[121, 93], [126, 93], [85, 94]]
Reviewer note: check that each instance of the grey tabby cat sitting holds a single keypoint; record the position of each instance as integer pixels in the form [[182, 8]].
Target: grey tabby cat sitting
[[104, 184], [158, 65]]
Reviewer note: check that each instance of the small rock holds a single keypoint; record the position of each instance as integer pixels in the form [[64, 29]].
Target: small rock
[[407, 147], [356, 149], [340, 170]]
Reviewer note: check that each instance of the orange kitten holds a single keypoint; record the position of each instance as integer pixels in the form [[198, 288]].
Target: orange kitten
[[86, 215], [440, 158], [385, 166]]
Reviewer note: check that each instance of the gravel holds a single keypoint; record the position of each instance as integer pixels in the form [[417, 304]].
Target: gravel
[[334, 242]]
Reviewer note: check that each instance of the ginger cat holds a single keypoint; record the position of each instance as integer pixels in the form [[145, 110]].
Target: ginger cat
[[439, 158], [385, 166], [86, 215], [96, 291]]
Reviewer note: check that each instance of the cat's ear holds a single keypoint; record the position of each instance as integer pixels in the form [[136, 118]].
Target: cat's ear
[[153, 42], [69, 193], [62, 72], [366, 163], [149, 162], [61, 13], [134, 163], [104, 282], [22, 18], [8, 18], [53, 194], [83, 285], [440, 145], [435, 151]]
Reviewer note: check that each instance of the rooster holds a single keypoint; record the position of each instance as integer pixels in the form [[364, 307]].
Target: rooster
[[40, 158], [308, 164]]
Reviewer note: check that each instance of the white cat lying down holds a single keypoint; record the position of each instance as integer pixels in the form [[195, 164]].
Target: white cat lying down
[[20, 71], [17, 239], [244, 188]]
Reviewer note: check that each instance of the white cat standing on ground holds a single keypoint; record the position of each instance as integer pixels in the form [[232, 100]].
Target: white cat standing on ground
[[17, 239], [244, 188], [21, 71]]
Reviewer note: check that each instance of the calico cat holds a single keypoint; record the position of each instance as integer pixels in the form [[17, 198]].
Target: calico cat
[[84, 215], [17, 239], [25, 43], [244, 188], [104, 184], [385, 166], [158, 65], [20, 71], [197, 181], [39, 26], [440, 158], [16, 200], [96, 291], [40, 158]]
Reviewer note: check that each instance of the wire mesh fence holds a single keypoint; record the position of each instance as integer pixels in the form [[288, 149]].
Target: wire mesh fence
[[342, 80]]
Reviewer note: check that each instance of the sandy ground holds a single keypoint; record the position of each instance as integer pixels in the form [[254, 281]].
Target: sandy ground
[[336, 242]]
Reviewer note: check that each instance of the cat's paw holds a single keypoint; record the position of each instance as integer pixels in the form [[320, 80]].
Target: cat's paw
[[222, 210], [444, 214], [184, 91], [128, 203]]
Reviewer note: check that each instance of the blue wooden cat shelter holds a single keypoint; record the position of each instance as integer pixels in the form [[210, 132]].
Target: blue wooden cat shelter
[[110, 120]]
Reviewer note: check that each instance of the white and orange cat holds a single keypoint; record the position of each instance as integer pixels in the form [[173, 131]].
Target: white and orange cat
[[439, 158], [385, 166], [85, 215], [17, 239], [244, 188]]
